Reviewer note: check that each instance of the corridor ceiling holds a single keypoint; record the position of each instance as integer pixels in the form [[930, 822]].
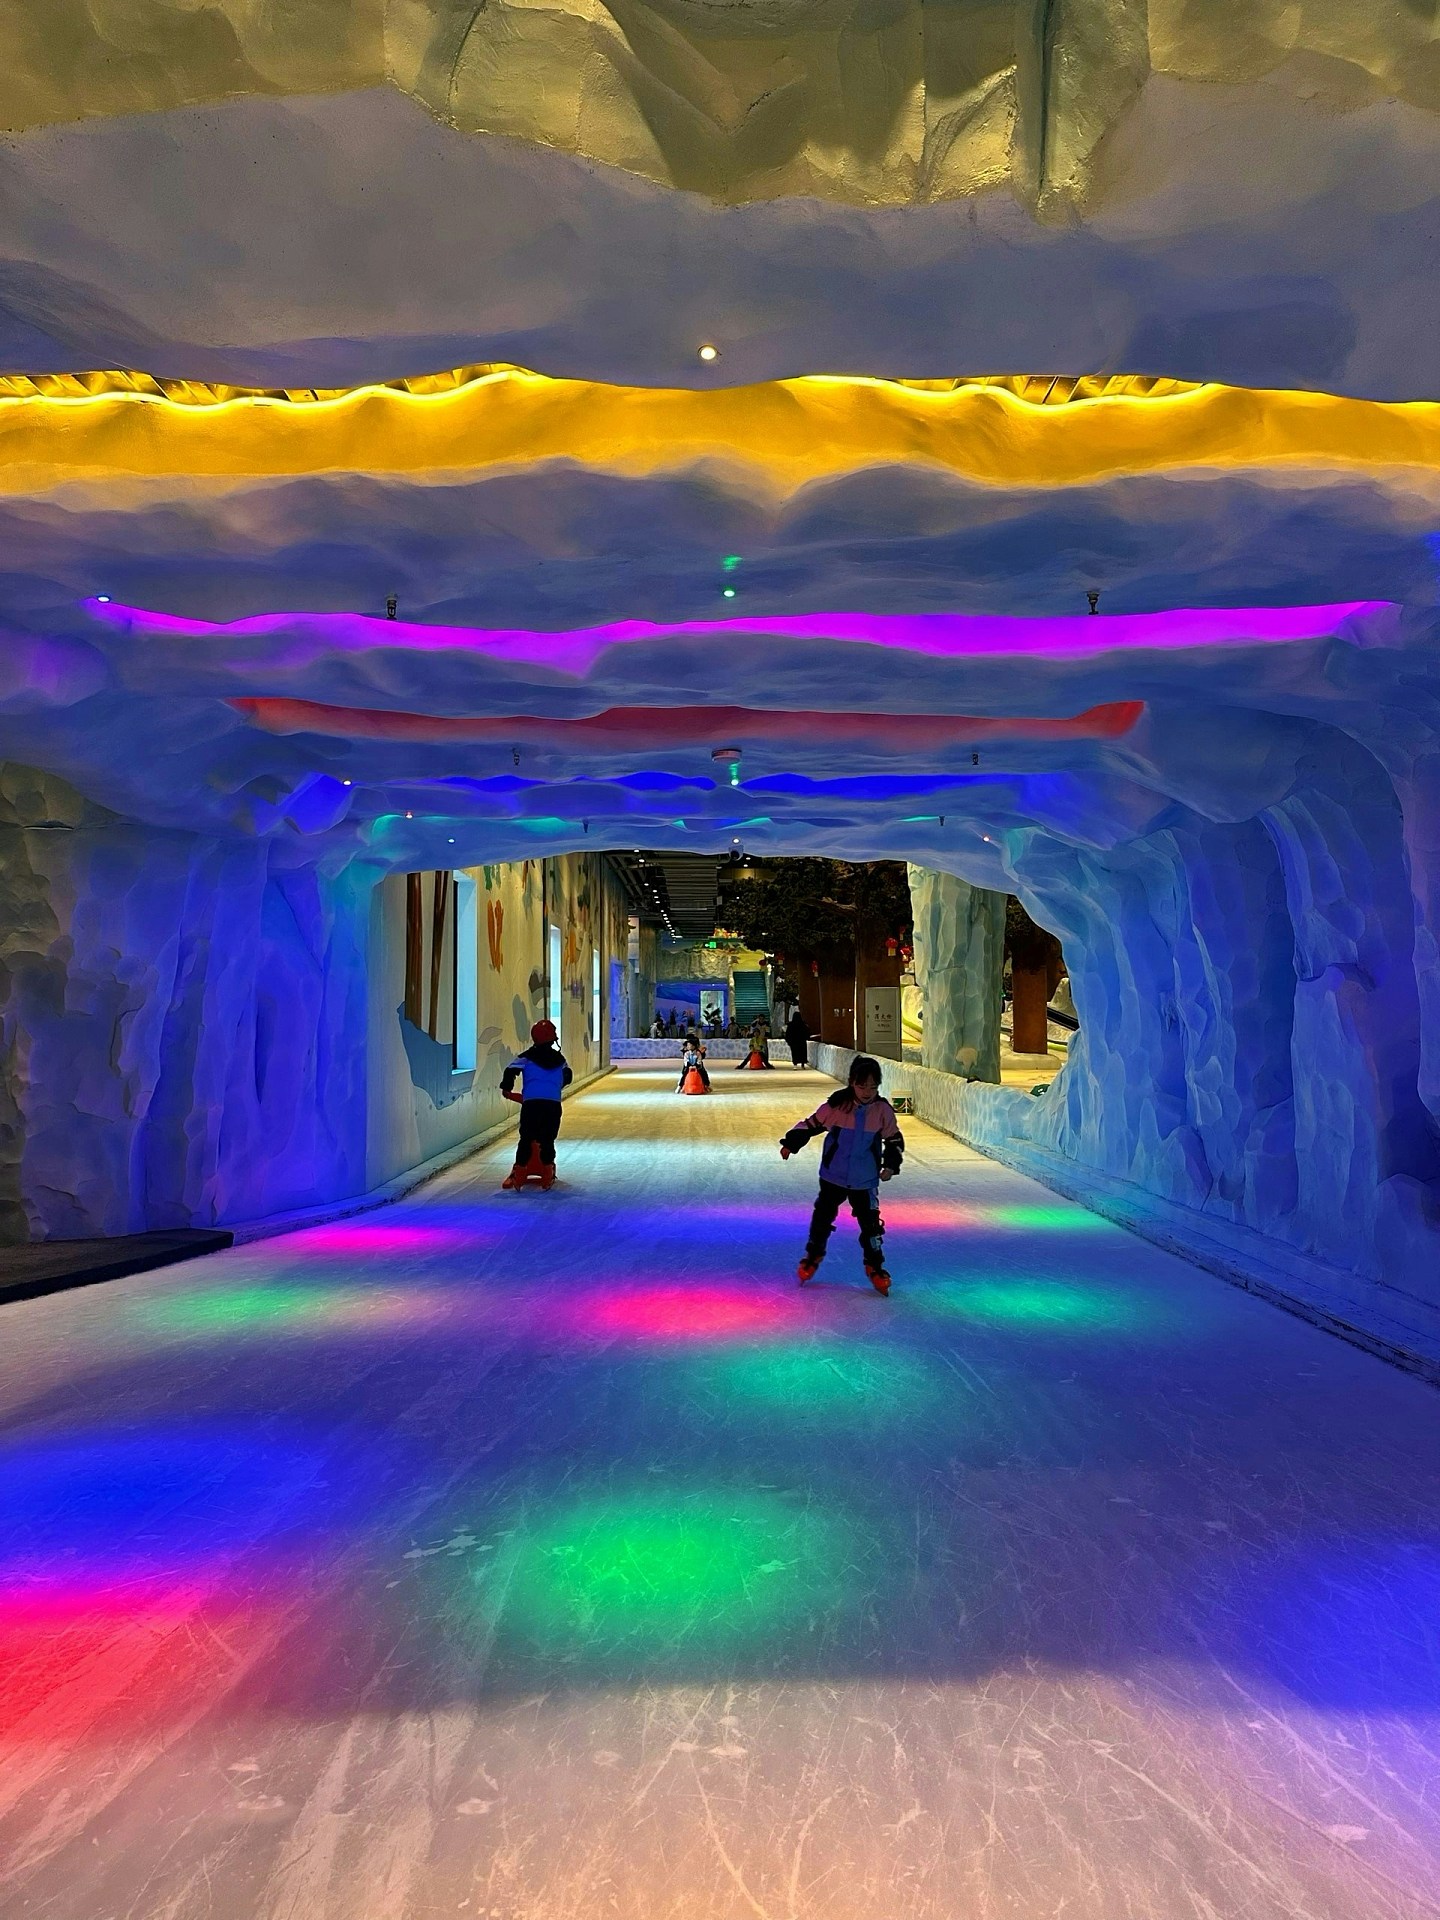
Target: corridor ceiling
[[309, 309]]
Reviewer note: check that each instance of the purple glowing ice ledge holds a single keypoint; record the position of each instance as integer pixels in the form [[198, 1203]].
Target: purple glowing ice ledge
[[942, 635]]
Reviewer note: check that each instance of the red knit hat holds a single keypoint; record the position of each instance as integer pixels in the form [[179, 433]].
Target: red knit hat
[[542, 1032]]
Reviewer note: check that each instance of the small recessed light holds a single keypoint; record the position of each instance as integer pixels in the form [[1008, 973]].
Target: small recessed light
[[451, 841], [103, 599], [708, 353], [347, 783], [728, 592], [409, 816]]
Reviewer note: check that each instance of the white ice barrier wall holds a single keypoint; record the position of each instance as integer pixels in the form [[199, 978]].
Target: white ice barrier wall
[[667, 1052]]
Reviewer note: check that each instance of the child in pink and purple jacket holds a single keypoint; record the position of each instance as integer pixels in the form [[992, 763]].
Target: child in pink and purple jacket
[[863, 1146]]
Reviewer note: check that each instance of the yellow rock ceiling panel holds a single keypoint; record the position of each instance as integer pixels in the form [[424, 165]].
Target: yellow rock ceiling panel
[[873, 104]]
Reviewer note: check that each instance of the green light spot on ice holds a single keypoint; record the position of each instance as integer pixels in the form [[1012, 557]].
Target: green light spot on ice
[[1069, 1219], [238, 1309], [800, 1381], [1041, 1304], [652, 1574]]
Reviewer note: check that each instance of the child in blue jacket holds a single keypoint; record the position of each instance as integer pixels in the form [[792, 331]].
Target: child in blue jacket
[[543, 1073], [863, 1146]]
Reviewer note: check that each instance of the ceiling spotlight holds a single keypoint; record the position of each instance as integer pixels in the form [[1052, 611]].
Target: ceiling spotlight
[[451, 841], [409, 816], [347, 783], [727, 593], [709, 353], [102, 599]]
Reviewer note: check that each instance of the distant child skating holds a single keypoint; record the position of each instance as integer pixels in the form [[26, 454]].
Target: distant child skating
[[694, 1075], [863, 1146], [543, 1073], [758, 1058]]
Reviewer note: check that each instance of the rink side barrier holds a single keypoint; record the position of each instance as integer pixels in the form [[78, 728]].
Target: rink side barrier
[[403, 1183], [1396, 1328], [667, 1052]]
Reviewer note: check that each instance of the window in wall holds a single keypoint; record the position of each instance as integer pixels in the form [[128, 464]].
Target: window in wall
[[441, 961], [467, 971], [415, 949], [557, 1003], [430, 954]]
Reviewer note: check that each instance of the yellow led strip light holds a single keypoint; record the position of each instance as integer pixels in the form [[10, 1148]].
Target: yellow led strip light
[[1004, 431]]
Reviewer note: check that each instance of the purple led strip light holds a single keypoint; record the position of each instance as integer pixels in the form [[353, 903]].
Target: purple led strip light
[[943, 635]]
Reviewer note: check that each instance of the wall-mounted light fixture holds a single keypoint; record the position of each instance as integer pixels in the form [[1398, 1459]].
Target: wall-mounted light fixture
[[730, 757]]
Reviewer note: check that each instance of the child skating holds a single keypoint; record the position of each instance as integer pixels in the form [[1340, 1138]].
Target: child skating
[[863, 1146], [543, 1073], [758, 1058], [694, 1074]]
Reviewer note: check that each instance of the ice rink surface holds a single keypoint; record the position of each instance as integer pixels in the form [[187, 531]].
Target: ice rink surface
[[553, 1556]]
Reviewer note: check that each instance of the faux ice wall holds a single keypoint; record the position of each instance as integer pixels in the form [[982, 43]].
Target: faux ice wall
[[959, 962], [1257, 1017], [179, 1018]]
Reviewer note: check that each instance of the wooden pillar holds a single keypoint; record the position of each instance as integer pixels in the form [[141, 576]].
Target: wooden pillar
[[414, 947], [439, 907], [1029, 997], [837, 1000]]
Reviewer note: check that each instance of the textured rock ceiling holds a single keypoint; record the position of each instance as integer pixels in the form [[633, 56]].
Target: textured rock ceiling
[[321, 195], [1262, 233], [860, 100]]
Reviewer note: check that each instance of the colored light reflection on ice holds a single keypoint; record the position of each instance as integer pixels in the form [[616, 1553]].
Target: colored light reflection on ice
[[761, 1215], [118, 1506], [1348, 1624], [258, 1311], [1058, 1218], [845, 1381], [654, 1576], [687, 1313], [901, 1211], [88, 1662], [141, 1569], [1041, 1305], [394, 1238]]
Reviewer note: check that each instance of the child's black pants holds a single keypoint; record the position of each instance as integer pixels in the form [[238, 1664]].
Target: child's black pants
[[866, 1209], [539, 1124]]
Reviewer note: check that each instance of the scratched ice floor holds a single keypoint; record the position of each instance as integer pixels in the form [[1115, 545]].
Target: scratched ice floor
[[549, 1556]]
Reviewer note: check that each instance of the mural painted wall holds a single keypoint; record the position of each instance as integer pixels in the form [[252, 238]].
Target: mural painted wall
[[418, 1104]]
